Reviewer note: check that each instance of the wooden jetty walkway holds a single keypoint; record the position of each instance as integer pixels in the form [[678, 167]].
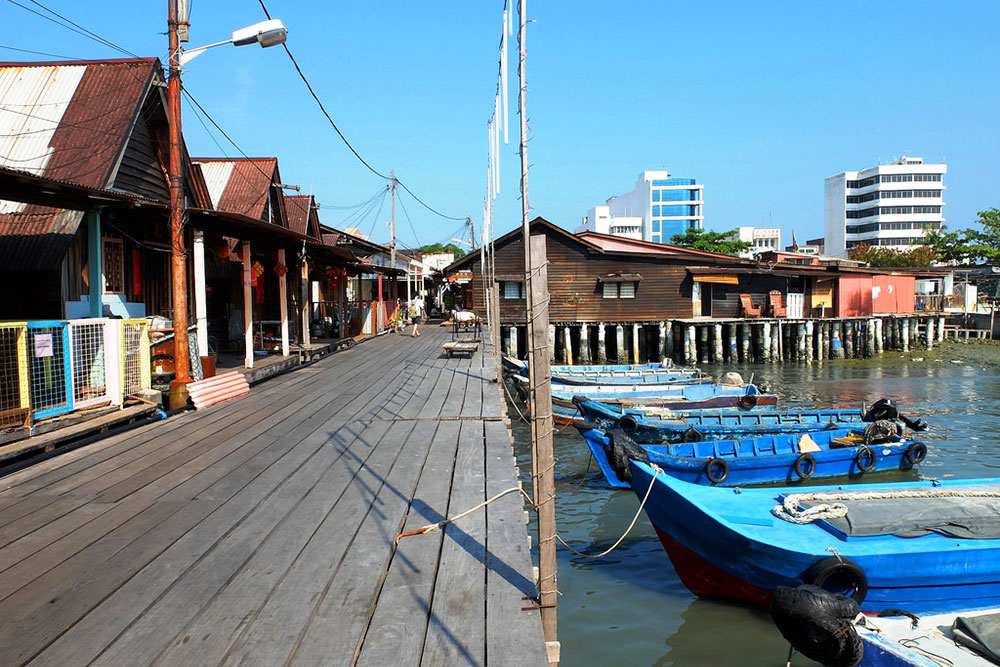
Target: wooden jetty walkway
[[261, 531]]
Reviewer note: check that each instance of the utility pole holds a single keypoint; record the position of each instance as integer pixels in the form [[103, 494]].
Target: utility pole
[[539, 382], [182, 370], [472, 233], [392, 222]]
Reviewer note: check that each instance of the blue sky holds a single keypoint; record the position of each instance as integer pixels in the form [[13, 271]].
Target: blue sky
[[758, 101]]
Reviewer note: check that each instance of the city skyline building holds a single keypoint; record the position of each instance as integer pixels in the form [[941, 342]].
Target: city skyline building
[[890, 205], [660, 206], [762, 240]]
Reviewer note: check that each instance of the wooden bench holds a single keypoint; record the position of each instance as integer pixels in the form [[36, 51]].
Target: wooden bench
[[460, 346]]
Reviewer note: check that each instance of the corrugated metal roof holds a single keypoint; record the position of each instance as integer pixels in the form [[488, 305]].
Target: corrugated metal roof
[[37, 238], [246, 189], [216, 178], [300, 210]]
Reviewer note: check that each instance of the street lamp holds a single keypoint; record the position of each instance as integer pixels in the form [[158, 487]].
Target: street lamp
[[266, 33]]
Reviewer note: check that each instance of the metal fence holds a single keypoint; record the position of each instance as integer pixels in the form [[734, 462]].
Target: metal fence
[[15, 391], [49, 367]]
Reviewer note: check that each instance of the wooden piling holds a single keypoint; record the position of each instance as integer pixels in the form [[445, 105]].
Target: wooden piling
[[662, 341], [602, 350], [905, 337], [704, 356], [940, 329], [717, 344], [929, 333], [669, 351], [879, 343], [620, 344], [583, 356], [635, 343], [776, 341], [810, 341], [800, 341], [568, 345], [836, 345], [689, 345], [848, 339], [552, 343], [745, 341], [765, 343], [734, 354], [512, 343]]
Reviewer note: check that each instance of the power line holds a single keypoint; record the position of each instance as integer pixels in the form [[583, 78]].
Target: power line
[[407, 214], [39, 53], [83, 32], [341, 134]]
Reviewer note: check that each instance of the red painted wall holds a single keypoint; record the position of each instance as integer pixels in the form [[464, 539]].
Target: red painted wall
[[893, 294], [854, 296]]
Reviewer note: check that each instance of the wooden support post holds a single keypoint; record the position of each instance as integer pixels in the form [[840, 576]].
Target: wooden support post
[[879, 343], [827, 341], [662, 341], [512, 343], [701, 345], [635, 343], [620, 344], [905, 338], [247, 308], [305, 300], [583, 356], [552, 344], [781, 339], [731, 345], [95, 272], [929, 333], [200, 293], [602, 349], [686, 343], [776, 341], [836, 346], [800, 341], [669, 351], [717, 344], [848, 339], [810, 341], [765, 343], [282, 304], [940, 329], [568, 345], [745, 341]]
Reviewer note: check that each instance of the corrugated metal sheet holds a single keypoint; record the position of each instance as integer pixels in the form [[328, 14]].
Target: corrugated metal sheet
[[246, 187], [300, 211], [218, 389], [33, 101], [37, 238]]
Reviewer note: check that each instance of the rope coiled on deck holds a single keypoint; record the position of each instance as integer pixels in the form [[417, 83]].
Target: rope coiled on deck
[[791, 510]]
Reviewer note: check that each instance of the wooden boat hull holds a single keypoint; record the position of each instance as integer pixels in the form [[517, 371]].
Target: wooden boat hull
[[651, 429], [763, 460], [726, 543]]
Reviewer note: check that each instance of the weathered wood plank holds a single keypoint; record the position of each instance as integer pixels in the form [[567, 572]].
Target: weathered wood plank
[[513, 636], [456, 632]]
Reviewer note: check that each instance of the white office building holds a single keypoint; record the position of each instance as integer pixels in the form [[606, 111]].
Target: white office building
[[891, 205], [659, 207], [762, 240]]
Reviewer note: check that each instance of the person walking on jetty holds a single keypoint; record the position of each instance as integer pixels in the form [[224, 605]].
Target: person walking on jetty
[[417, 311]]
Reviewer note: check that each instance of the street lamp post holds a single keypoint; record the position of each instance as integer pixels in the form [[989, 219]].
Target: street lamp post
[[266, 33]]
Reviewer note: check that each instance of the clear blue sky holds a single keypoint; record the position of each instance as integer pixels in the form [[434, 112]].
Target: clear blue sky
[[758, 101]]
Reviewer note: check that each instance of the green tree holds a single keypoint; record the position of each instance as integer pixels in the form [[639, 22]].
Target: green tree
[[947, 246], [921, 255], [724, 243], [984, 244], [438, 247]]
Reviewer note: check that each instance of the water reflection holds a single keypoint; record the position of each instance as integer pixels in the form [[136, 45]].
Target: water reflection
[[631, 609]]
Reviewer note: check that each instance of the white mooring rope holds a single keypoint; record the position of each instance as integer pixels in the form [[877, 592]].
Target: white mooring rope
[[790, 509]]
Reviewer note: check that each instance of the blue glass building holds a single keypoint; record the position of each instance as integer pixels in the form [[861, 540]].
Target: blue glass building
[[659, 207]]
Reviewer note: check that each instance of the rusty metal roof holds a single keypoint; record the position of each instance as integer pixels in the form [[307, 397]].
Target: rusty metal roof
[[239, 185], [302, 215]]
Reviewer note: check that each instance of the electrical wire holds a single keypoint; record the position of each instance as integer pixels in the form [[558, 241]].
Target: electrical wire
[[38, 53], [83, 32], [410, 222], [341, 134]]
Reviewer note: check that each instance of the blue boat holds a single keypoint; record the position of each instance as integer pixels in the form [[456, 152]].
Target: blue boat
[[927, 547], [651, 427], [899, 641], [762, 460], [638, 374]]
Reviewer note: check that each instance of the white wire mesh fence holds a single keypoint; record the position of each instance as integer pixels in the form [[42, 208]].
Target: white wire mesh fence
[[15, 391], [51, 367]]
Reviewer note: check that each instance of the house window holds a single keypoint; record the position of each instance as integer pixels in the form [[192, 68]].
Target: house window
[[113, 266], [622, 290], [513, 290]]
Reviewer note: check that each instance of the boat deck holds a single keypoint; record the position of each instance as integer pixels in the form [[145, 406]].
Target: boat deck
[[261, 531]]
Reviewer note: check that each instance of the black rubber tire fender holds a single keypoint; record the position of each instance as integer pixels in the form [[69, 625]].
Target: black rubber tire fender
[[628, 424], [691, 434], [805, 465], [915, 453], [746, 401], [717, 470], [865, 459], [835, 568]]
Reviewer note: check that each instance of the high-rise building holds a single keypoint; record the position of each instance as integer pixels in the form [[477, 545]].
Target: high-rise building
[[891, 205], [762, 240], [659, 207]]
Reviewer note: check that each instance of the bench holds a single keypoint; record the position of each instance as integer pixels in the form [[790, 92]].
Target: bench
[[455, 347]]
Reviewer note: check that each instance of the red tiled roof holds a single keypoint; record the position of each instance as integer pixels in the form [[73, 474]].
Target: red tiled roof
[[300, 211]]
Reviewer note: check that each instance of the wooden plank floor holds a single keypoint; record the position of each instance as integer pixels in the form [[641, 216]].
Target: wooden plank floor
[[261, 531]]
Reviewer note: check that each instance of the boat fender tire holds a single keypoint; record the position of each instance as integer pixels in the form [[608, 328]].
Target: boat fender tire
[[578, 399], [883, 408], [865, 459], [620, 449], [692, 435], [841, 570], [746, 401], [805, 465], [915, 453], [717, 470], [628, 424], [818, 624]]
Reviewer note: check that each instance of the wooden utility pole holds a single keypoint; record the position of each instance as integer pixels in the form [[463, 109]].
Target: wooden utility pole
[[392, 221], [540, 381], [178, 396]]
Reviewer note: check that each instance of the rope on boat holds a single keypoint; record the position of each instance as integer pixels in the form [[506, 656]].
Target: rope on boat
[[656, 471], [510, 398], [431, 527], [791, 511]]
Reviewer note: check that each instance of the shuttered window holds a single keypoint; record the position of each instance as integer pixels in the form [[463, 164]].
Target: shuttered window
[[624, 290], [513, 290], [610, 290]]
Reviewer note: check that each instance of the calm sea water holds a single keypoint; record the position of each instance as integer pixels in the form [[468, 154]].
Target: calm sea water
[[630, 608]]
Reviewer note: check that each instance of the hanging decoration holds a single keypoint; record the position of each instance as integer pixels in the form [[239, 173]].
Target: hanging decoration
[[222, 249], [280, 269], [257, 268]]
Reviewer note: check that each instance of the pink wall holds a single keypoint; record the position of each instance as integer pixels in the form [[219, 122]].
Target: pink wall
[[893, 294], [854, 296]]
